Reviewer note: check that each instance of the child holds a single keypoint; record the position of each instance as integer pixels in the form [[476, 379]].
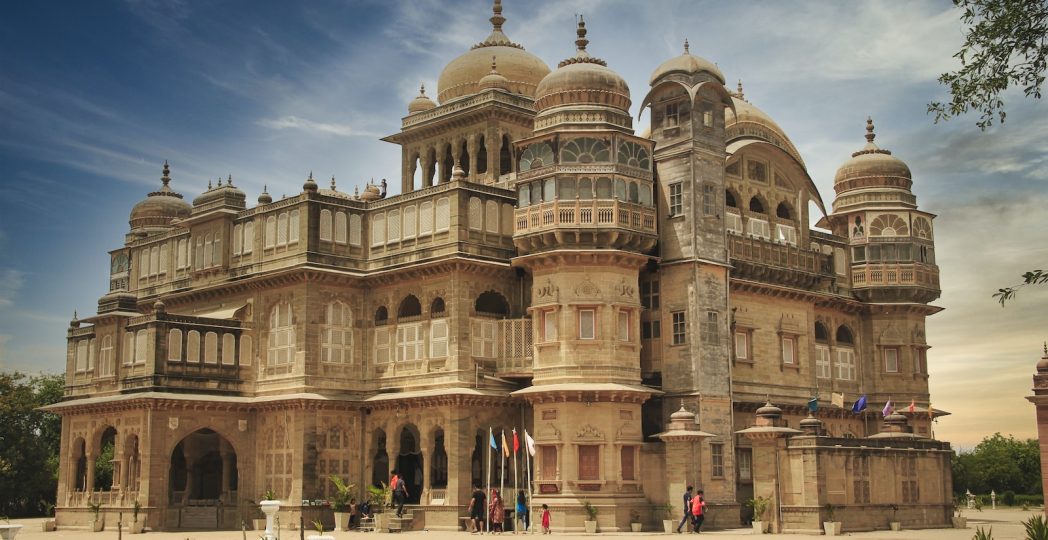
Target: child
[[545, 519]]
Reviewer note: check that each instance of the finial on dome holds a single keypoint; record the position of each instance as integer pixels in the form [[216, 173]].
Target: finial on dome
[[580, 31], [209, 188], [496, 18], [166, 177], [310, 185], [494, 71], [220, 180], [870, 135], [686, 51], [741, 95], [333, 183], [229, 180], [421, 89]]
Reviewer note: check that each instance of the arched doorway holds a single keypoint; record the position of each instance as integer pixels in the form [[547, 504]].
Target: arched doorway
[[409, 463], [104, 469], [202, 477], [380, 459]]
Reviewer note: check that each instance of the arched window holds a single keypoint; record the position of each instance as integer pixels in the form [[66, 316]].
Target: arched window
[[634, 155], [282, 229], [464, 158], [491, 303], [409, 307], [193, 347], [281, 335], [442, 219], [209, 250], [271, 231], [645, 194], [325, 225], [822, 351], [482, 156], [437, 307], [393, 226], [162, 267], [154, 261], [128, 354], [523, 195], [783, 212], [174, 345], [354, 229], [438, 473], [822, 334], [378, 229], [585, 150], [634, 193], [846, 361], [229, 349], [249, 237], [476, 214], [238, 239], [729, 199], [293, 224], [922, 228], [505, 156], [756, 206], [410, 221], [604, 188], [381, 314], [549, 190], [81, 355], [491, 216], [888, 225], [565, 188], [844, 336], [536, 155], [211, 348], [336, 334]]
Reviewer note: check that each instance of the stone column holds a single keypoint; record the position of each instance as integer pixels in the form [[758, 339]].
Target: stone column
[[1040, 401], [190, 463], [456, 154], [768, 437], [90, 466], [682, 458], [406, 168], [471, 147], [493, 143], [458, 442], [426, 162]]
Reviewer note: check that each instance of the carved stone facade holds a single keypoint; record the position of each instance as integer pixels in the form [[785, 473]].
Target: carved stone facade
[[543, 268]]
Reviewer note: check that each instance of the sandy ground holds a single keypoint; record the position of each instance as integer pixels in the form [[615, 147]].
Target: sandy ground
[[1006, 524]]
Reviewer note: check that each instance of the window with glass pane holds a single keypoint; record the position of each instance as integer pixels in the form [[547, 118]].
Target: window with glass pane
[[651, 329], [891, 360], [742, 345], [336, 336], [709, 200], [438, 338], [281, 335], [680, 335], [587, 324], [846, 364], [717, 460], [789, 350], [409, 342], [671, 118], [649, 293], [676, 199], [711, 327], [822, 361], [744, 457]]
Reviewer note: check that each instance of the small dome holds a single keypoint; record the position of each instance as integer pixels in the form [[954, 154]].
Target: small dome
[[811, 422], [222, 191], [523, 70], [1042, 366], [686, 64], [334, 192], [371, 192], [310, 185], [872, 162], [682, 414], [161, 207], [582, 80], [421, 103], [749, 121], [494, 79], [769, 410], [264, 197]]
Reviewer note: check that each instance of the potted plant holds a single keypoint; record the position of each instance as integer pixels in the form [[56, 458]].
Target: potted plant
[[343, 491], [895, 524], [759, 505], [668, 522], [8, 531], [958, 519], [97, 524], [137, 526], [831, 526], [591, 512], [49, 511], [381, 497], [269, 506], [635, 524], [318, 526]]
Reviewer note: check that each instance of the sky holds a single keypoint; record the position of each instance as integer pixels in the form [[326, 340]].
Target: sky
[[94, 96]]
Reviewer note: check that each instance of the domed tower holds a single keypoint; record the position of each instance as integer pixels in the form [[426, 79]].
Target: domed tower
[[585, 226], [159, 209], [480, 110], [892, 247]]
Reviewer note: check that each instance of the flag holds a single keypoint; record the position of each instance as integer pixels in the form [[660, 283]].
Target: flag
[[491, 440], [529, 442], [505, 447], [813, 404], [860, 405], [887, 408], [837, 399], [931, 414], [516, 441], [913, 406]]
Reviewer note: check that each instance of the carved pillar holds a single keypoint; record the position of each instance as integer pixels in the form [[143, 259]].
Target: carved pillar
[[471, 148], [768, 437], [407, 167], [493, 144], [427, 164], [90, 465]]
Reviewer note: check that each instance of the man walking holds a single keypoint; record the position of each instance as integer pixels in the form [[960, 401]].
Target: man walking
[[698, 511], [687, 509], [400, 495]]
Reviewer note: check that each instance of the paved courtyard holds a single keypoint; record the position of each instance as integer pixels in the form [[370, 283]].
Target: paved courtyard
[[1006, 525]]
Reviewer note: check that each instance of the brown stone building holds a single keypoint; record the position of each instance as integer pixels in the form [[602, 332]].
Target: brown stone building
[[543, 267]]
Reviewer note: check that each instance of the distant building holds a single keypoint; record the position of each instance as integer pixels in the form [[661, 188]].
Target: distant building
[[543, 267]]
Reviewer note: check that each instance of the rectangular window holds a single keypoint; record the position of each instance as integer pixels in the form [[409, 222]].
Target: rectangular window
[[891, 360], [859, 254], [141, 348], [549, 463], [382, 345], [742, 346], [676, 199], [786, 234], [759, 228], [483, 338], [711, 328], [249, 237], [438, 338], [628, 462], [649, 294], [920, 360], [549, 325], [757, 171], [409, 342], [672, 118], [709, 200], [680, 333], [733, 222], [717, 460], [846, 364], [651, 329], [587, 324], [789, 350], [744, 457], [589, 462], [822, 361], [624, 326]]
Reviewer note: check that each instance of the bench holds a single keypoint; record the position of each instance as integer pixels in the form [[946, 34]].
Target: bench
[[367, 524]]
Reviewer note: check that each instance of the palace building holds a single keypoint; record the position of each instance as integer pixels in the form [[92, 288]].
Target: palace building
[[637, 302]]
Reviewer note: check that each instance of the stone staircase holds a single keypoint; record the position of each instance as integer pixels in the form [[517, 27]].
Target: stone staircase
[[398, 524]]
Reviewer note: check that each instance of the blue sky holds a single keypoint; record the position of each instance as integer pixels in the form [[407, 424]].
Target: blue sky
[[94, 96]]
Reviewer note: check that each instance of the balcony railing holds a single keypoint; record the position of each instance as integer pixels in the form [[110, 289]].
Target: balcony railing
[[514, 353], [590, 213], [874, 275], [764, 252]]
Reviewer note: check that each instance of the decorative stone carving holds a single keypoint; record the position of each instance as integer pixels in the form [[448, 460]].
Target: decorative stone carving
[[589, 433], [547, 290], [172, 423], [587, 289], [242, 425], [626, 289]]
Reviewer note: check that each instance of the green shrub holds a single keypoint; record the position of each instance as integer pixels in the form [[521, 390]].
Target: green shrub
[[1032, 500], [1036, 528], [981, 534], [1008, 498]]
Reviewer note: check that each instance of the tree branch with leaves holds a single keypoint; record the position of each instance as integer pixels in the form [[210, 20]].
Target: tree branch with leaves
[[1035, 277]]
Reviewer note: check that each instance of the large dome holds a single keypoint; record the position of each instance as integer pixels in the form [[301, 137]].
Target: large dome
[[872, 166], [582, 80], [747, 121], [161, 207], [686, 64], [522, 70]]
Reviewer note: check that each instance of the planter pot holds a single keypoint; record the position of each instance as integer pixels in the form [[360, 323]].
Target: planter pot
[[668, 526], [832, 528], [98, 524], [341, 521], [9, 532], [636, 527], [895, 525], [591, 526], [758, 527], [48, 525], [382, 522], [137, 527], [959, 522]]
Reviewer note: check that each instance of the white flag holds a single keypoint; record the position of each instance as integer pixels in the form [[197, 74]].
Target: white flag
[[529, 442]]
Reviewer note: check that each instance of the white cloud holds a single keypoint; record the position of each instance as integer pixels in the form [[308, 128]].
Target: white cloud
[[11, 282], [302, 124]]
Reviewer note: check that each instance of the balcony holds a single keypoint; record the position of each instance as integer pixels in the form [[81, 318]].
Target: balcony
[[605, 223], [887, 282], [762, 260], [511, 350]]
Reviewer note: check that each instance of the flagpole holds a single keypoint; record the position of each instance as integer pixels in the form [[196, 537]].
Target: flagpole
[[487, 519], [516, 486], [527, 480], [502, 471]]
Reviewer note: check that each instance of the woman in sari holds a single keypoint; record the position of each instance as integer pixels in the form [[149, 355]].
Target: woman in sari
[[496, 511]]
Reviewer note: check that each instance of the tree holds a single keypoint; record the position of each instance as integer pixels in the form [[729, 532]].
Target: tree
[[29, 441], [1036, 277], [999, 463], [1005, 45]]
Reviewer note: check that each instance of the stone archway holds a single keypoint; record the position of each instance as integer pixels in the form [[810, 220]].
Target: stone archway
[[409, 462], [203, 476]]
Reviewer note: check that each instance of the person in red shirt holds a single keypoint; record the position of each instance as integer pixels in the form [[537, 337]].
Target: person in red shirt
[[698, 510], [545, 520]]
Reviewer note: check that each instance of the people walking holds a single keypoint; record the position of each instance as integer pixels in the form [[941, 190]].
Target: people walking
[[400, 495], [698, 511], [687, 509], [497, 511], [522, 509], [477, 507], [546, 519]]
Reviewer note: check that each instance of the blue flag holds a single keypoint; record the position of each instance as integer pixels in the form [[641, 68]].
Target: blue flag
[[491, 440], [813, 404], [860, 405]]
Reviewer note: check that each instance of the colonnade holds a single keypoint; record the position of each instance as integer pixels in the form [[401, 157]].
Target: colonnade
[[483, 157]]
